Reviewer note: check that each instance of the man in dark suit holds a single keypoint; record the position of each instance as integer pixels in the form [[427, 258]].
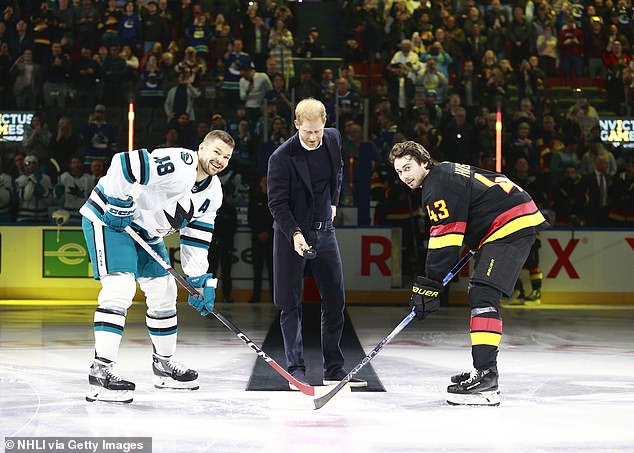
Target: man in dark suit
[[598, 193], [304, 182]]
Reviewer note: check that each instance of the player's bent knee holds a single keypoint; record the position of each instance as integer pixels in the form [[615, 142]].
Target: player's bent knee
[[483, 296], [160, 293], [117, 290]]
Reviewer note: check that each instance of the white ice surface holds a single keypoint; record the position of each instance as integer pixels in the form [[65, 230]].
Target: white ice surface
[[566, 381]]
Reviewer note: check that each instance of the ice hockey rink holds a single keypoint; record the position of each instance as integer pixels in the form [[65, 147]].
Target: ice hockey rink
[[566, 381]]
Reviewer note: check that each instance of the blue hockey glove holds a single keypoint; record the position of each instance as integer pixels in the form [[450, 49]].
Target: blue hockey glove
[[425, 296], [206, 285], [119, 213]]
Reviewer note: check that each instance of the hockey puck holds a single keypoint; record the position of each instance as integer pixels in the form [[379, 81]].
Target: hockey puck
[[310, 253]]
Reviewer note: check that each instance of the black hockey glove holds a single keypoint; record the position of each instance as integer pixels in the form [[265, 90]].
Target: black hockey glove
[[425, 297]]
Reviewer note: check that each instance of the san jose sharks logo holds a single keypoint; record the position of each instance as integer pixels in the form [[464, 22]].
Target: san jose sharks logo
[[181, 217], [187, 158]]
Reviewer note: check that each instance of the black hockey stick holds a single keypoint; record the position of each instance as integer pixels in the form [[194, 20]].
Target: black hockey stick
[[304, 388], [322, 400]]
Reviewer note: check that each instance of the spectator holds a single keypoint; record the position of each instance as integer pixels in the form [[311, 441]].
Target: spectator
[[408, 59], [454, 44], [352, 52], [253, 88], [615, 60], [151, 83], [433, 80], [469, 88], [27, 79], [548, 52], [523, 147], [34, 192], [589, 158], [73, 189], [37, 138], [86, 73], [311, 47], [181, 98], [117, 78], [401, 89], [568, 198], [130, 27], [198, 36], [564, 158], [280, 97], [519, 34], [530, 80], [19, 168], [307, 87], [281, 43], [66, 143], [345, 104], [171, 138], [261, 224], [192, 66], [496, 23], [98, 137], [442, 58], [56, 75], [186, 130], [87, 20], [257, 42], [233, 58], [44, 26], [595, 41], [327, 86], [65, 17], [155, 27], [21, 40], [97, 170], [476, 43], [109, 24], [599, 190], [570, 43]]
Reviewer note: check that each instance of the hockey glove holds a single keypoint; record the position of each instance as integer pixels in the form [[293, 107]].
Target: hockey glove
[[425, 297], [119, 213], [206, 286]]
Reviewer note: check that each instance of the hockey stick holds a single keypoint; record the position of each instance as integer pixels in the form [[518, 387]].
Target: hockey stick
[[322, 400], [304, 388]]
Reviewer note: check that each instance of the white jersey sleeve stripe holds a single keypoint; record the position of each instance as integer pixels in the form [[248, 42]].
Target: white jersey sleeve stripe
[[194, 242], [136, 166]]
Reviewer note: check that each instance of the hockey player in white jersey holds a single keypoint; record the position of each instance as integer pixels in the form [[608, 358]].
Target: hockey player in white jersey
[[170, 189]]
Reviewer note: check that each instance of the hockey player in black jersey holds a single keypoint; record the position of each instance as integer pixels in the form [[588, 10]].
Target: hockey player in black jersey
[[487, 212]]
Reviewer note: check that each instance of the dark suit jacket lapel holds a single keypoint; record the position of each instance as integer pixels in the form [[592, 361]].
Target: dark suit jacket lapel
[[299, 158]]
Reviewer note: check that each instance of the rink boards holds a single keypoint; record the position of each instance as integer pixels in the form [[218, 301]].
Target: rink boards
[[578, 265]]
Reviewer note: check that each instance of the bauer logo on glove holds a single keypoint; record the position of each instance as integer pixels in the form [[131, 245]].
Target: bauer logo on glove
[[425, 297]]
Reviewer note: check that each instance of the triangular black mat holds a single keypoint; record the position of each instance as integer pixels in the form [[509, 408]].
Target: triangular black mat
[[264, 377]]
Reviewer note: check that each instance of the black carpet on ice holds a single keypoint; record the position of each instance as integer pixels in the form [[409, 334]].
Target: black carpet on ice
[[265, 377]]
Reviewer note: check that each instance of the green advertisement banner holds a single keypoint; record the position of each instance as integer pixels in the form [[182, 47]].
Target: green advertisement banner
[[65, 254]]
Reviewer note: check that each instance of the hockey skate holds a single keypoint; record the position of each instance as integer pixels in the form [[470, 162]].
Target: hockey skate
[[170, 374], [107, 385], [479, 389], [457, 378], [535, 297]]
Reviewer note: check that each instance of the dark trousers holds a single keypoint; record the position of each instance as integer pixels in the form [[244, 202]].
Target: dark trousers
[[261, 252], [328, 273]]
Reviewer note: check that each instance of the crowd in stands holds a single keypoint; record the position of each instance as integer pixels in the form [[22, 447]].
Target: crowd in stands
[[443, 68]]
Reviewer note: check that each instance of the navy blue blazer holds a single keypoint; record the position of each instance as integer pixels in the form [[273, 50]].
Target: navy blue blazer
[[289, 187]]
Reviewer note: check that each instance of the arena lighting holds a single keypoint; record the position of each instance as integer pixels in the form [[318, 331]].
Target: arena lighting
[[130, 126], [498, 140]]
